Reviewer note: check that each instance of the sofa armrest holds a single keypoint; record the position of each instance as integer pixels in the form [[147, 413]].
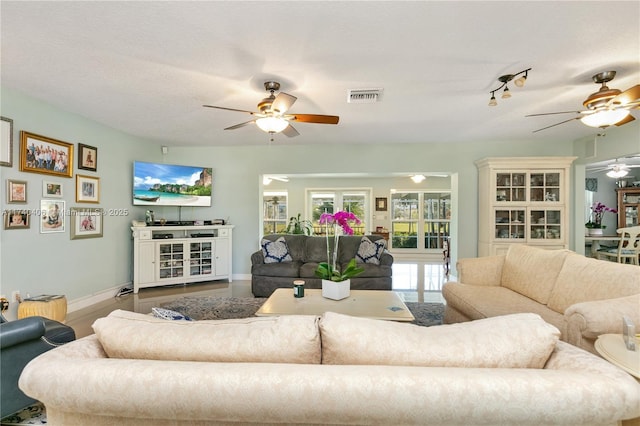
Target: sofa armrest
[[386, 259], [480, 270], [20, 331], [257, 258], [596, 317]]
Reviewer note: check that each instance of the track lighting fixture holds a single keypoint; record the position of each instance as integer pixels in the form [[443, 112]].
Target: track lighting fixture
[[504, 79]]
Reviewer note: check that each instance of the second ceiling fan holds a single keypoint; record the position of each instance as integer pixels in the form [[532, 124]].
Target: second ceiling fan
[[272, 116], [604, 108]]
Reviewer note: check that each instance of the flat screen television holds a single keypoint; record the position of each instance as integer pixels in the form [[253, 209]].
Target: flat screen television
[[157, 184]]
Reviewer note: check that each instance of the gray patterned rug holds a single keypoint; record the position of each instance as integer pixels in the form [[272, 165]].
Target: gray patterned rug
[[211, 307]]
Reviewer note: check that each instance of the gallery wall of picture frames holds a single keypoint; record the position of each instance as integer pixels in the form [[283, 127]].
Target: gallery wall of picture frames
[[55, 158]]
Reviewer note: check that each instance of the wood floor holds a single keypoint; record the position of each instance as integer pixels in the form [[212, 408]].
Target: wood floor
[[414, 282]]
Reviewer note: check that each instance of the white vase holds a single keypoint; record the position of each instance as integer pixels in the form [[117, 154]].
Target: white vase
[[336, 290], [595, 232]]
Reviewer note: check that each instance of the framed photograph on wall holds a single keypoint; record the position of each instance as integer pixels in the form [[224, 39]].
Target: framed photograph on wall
[[87, 157], [51, 189], [40, 154], [16, 191], [381, 204], [86, 223], [87, 189], [51, 216], [17, 219], [6, 142]]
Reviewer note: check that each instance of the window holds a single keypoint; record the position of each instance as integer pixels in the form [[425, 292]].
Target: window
[[415, 214], [274, 207], [356, 201]]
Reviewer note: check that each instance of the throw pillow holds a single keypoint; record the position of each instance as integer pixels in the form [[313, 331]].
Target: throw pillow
[[370, 251], [510, 341], [276, 251], [168, 314], [291, 339]]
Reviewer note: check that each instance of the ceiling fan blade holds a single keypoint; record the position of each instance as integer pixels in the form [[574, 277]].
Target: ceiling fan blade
[[282, 103], [237, 126], [557, 124], [629, 118], [627, 97], [554, 113], [290, 131], [229, 109], [314, 118]]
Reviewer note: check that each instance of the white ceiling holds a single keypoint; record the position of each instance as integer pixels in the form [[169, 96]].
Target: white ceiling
[[147, 68]]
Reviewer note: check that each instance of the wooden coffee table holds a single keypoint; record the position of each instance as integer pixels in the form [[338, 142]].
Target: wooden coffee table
[[375, 304]]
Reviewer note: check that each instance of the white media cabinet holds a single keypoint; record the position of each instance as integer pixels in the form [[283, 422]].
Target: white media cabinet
[[165, 255]]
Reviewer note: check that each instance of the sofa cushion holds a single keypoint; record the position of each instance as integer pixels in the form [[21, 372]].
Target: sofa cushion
[[532, 271], [477, 302], [286, 339], [584, 279], [315, 249], [512, 341], [275, 251], [370, 251]]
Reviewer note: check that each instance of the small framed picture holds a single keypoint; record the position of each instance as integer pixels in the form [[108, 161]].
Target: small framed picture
[[381, 204], [40, 154], [86, 223], [6, 141], [87, 189], [87, 157], [16, 191], [17, 219], [51, 189], [51, 216]]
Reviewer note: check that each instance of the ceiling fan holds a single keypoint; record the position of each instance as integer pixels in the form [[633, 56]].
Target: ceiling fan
[[605, 107], [615, 169], [272, 117]]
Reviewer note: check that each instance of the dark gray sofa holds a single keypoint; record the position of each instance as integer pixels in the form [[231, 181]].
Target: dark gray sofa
[[307, 252]]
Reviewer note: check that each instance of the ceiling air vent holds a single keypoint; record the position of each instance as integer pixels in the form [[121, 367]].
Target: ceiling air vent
[[364, 96]]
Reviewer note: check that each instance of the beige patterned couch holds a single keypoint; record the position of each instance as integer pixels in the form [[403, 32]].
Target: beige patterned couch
[[142, 371], [582, 297]]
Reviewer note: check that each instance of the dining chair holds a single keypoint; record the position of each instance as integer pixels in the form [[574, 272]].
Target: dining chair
[[628, 250]]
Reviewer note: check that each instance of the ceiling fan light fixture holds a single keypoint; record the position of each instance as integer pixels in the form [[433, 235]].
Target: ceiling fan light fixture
[[417, 178], [272, 124], [617, 172], [605, 117]]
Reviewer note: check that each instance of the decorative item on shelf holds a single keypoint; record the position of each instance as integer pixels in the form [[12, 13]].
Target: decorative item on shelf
[[336, 284], [595, 225]]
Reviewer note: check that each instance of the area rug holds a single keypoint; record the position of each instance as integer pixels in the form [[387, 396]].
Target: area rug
[[32, 415], [211, 308]]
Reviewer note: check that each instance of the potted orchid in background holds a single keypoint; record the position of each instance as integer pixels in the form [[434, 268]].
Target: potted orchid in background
[[336, 284], [595, 225]]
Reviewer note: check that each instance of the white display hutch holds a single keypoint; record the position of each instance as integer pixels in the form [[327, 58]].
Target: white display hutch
[[523, 200], [165, 255]]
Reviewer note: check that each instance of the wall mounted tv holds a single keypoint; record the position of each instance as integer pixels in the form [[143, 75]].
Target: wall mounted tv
[[157, 184]]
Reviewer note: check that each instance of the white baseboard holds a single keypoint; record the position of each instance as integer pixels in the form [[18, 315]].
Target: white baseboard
[[86, 301]]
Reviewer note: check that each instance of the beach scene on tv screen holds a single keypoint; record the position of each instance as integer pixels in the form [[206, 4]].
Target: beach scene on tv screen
[[171, 185]]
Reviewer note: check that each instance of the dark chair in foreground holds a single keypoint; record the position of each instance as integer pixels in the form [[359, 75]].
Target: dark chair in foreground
[[20, 342]]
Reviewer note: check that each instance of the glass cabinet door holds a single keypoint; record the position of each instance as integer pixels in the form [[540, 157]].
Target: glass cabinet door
[[631, 216], [510, 224], [545, 224], [545, 187], [510, 187], [200, 254], [171, 260]]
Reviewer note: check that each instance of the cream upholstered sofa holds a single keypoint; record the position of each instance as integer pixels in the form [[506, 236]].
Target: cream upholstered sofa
[[582, 297], [142, 371]]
